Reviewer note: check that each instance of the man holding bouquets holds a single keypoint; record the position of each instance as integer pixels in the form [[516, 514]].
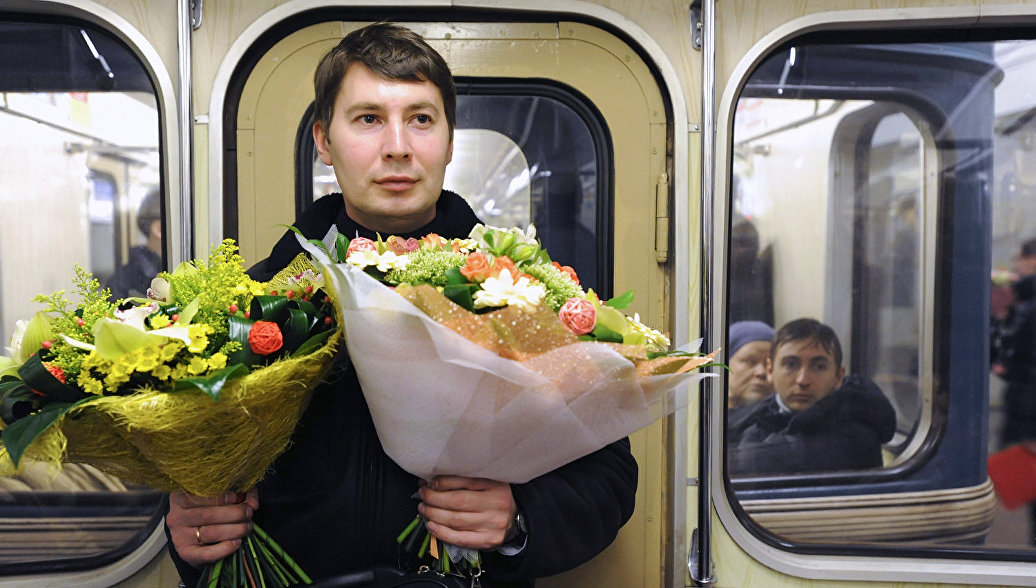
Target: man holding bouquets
[[386, 103]]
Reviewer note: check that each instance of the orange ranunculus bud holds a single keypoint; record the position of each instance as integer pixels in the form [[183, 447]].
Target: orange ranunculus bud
[[567, 269], [477, 267], [578, 315], [265, 337]]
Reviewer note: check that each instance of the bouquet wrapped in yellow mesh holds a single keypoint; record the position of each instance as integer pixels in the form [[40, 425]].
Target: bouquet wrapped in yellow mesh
[[196, 388]]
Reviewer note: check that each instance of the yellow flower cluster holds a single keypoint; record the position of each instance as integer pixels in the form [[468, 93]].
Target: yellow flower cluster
[[163, 363]]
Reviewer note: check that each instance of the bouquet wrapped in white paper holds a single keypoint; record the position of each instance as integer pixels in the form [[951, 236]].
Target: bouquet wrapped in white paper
[[482, 358]]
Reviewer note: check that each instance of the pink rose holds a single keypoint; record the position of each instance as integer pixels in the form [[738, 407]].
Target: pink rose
[[578, 315], [360, 244]]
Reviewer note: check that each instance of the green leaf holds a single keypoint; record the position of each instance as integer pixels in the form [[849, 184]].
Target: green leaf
[[188, 312], [237, 330], [461, 294], [18, 436], [603, 333], [8, 367], [312, 344], [36, 377], [341, 248], [16, 400], [295, 329], [213, 383], [269, 308], [612, 320], [621, 301], [315, 242]]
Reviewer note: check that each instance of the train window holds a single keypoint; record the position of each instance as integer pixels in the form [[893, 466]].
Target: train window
[[79, 143], [515, 167], [875, 188]]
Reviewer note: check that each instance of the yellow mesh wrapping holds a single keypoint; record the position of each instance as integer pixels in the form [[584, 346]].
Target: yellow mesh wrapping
[[184, 440]]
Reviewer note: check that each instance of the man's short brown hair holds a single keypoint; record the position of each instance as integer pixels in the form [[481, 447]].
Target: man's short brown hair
[[391, 52], [810, 330]]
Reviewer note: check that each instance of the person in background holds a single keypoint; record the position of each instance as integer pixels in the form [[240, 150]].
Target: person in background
[[385, 109], [819, 420], [1013, 354], [145, 261], [750, 343]]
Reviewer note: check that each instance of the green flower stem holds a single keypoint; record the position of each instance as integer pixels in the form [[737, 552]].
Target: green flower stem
[[281, 554], [282, 573], [256, 565], [424, 545], [408, 529]]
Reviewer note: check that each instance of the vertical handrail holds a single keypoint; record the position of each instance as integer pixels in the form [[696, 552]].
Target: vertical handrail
[[185, 118], [699, 562]]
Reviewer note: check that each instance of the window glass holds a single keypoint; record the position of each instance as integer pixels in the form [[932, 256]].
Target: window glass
[[521, 159], [79, 144], [883, 191]]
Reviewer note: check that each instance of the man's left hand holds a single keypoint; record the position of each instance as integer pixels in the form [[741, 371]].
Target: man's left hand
[[468, 512]]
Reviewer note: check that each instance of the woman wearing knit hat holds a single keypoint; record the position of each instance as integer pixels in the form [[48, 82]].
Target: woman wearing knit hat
[[750, 343]]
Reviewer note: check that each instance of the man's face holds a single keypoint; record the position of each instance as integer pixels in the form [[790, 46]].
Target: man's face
[[803, 373], [748, 377], [389, 144]]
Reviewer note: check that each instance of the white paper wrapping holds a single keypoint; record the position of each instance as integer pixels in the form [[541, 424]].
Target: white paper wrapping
[[444, 405]]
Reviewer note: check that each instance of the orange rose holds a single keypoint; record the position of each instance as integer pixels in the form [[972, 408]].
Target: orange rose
[[504, 263], [265, 337], [477, 267], [567, 269], [578, 315]]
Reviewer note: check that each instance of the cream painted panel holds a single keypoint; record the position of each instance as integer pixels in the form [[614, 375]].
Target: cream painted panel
[[596, 64], [272, 105]]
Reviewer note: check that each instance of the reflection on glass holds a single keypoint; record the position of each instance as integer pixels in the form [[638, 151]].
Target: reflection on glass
[[874, 188], [79, 140]]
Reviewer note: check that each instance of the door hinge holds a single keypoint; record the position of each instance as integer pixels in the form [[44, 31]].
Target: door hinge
[[662, 219]]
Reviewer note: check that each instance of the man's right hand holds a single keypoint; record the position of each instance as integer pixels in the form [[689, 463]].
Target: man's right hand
[[205, 530]]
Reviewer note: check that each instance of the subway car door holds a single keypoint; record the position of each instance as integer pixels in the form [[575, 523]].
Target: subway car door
[[560, 124]]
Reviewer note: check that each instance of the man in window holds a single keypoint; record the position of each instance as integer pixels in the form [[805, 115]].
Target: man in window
[[819, 420]]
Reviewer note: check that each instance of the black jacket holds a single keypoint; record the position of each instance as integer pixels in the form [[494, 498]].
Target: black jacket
[[336, 502], [843, 431], [1015, 349]]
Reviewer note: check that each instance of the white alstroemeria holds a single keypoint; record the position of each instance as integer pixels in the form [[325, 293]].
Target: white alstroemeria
[[466, 245], [655, 338], [504, 291], [527, 237], [385, 262]]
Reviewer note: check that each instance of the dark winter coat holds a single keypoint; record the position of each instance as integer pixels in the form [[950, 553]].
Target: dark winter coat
[[336, 501], [843, 431]]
